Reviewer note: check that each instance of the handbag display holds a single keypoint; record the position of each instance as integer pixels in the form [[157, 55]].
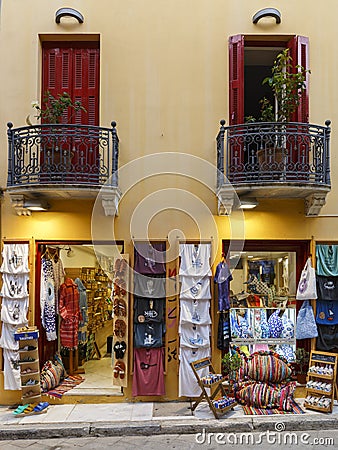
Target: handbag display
[[306, 327], [307, 289]]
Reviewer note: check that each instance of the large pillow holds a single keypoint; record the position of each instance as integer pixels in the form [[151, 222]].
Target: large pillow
[[51, 374], [267, 367], [266, 395]]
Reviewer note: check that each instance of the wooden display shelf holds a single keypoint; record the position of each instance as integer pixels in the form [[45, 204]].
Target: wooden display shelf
[[317, 408], [322, 359]]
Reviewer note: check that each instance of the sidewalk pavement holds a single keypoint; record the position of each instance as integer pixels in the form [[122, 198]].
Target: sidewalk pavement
[[148, 418]]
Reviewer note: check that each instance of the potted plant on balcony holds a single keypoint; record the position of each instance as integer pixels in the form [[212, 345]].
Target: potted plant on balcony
[[56, 151], [288, 86]]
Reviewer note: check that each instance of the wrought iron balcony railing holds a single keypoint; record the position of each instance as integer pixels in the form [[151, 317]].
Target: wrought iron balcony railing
[[265, 153], [62, 154]]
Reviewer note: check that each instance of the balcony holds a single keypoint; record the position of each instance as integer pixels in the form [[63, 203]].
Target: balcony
[[62, 161], [273, 160]]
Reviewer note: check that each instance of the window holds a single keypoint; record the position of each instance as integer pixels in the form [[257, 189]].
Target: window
[[250, 61]]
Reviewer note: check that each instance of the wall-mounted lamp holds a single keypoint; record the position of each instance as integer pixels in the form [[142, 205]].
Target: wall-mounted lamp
[[68, 12], [248, 203], [267, 12], [24, 206], [36, 205]]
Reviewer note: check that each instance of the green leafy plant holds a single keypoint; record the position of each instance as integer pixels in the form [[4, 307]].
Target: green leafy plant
[[288, 85], [231, 362], [302, 360], [54, 107]]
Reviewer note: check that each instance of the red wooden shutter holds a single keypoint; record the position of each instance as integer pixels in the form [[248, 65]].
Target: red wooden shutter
[[299, 51], [73, 68], [236, 79], [86, 85]]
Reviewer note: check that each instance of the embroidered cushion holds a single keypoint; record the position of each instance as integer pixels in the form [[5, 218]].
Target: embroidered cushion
[[52, 373], [268, 367], [266, 395]]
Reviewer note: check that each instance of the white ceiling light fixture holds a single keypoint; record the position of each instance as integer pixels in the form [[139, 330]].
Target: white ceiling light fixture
[[36, 205], [247, 203]]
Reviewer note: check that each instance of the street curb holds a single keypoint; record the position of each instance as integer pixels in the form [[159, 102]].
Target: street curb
[[158, 427]]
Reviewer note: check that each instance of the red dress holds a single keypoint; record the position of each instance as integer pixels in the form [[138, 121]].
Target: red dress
[[69, 311]]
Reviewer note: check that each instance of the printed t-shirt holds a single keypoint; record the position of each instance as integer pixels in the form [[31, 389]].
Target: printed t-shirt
[[14, 311], [327, 260], [149, 287], [148, 334], [148, 376], [7, 336], [195, 288], [188, 385], [192, 335], [195, 311], [327, 312], [12, 379], [14, 286], [327, 288], [148, 310], [150, 258], [15, 258], [195, 260]]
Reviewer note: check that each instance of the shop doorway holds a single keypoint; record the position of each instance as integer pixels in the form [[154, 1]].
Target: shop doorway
[[86, 349]]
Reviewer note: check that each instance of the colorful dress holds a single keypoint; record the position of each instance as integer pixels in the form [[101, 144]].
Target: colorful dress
[[70, 314]]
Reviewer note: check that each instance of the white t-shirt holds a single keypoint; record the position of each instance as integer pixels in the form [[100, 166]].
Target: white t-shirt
[[12, 379], [14, 286], [7, 336], [14, 311], [195, 311], [195, 260], [195, 288], [15, 258], [187, 380], [192, 335]]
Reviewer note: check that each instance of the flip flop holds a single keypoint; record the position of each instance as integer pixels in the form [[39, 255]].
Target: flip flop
[[30, 408], [20, 409], [41, 406]]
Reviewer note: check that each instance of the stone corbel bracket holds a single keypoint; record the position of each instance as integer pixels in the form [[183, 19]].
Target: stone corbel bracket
[[225, 200], [18, 203], [110, 201], [313, 203]]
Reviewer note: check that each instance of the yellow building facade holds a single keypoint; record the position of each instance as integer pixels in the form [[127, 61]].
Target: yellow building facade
[[163, 76]]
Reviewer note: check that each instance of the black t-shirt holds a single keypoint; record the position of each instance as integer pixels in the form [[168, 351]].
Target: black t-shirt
[[148, 335], [148, 310]]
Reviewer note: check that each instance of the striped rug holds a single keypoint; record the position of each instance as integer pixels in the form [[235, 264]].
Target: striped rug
[[250, 410]]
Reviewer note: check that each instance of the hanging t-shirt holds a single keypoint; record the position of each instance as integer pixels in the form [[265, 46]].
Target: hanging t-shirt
[[192, 335], [7, 336], [14, 286], [148, 335], [223, 333], [195, 288], [187, 382], [14, 311], [15, 258], [327, 288], [195, 311], [148, 376], [149, 287], [150, 258], [12, 379], [222, 278], [148, 310], [195, 260], [327, 312], [327, 339], [327, 260]]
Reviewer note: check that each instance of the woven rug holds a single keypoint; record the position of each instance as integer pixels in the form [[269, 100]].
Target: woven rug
[[249, 410], [66, 385]]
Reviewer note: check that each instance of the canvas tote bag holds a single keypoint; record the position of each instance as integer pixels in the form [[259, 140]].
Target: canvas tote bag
[[307, 289], [306, 327]]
